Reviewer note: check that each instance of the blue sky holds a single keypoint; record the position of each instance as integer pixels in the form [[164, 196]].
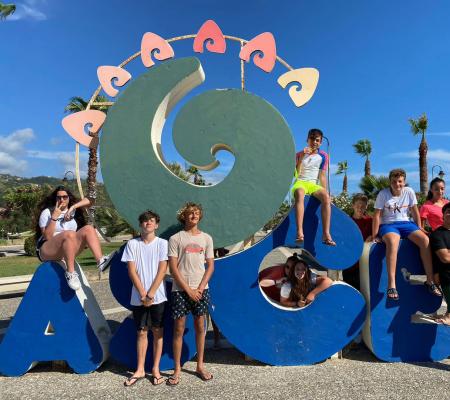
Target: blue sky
[[380, 63]]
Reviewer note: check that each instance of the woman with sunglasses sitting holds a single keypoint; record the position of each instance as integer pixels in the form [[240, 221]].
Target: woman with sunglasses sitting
[[62, 233]]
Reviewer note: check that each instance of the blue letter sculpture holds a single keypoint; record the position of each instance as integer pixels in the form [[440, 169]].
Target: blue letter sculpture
[[390, 332], [283, 336], [55, 323]]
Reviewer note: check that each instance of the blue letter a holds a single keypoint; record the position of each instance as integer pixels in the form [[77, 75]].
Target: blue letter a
[[51, 324]]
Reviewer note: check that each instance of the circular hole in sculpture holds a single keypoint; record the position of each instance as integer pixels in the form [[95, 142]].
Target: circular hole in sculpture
[[273, 271]]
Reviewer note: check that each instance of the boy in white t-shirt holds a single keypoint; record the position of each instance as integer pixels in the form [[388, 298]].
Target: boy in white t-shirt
[[392, 208], [147, 265], [189, 251]]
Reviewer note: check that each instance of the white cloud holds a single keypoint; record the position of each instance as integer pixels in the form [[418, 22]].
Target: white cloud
[[14, 143], [433, 155], [28, 10], [12, 147], [65, 159], [438, 134], [54, 141], [10, 165]]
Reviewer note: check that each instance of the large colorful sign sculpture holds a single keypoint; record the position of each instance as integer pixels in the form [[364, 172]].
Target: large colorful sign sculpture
[[137, 177]]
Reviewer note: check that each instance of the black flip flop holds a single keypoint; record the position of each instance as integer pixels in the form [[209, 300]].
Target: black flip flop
[[173, 380], [156, 380], [136, 379], [394, 293], [203, 377]]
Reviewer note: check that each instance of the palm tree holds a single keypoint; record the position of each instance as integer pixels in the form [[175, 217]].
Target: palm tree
[[371, 185], [342, 169], [198, 178], [178, 170], [6, 10], [364, 149], [419, 126], [77, 104]]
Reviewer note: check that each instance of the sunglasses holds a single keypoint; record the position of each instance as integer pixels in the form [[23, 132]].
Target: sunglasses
[[65, 197]]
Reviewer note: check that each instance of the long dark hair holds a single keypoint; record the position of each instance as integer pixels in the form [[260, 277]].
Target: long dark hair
[[435, 180], [299, 288], [49, 201]]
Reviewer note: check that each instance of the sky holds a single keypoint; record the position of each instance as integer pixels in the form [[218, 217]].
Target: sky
[[380, 63]]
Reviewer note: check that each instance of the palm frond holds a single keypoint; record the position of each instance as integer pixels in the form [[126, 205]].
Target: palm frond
[[6, 10], [363, 147]]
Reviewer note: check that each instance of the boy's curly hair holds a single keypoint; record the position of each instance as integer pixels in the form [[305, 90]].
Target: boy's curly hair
[[181, 213]]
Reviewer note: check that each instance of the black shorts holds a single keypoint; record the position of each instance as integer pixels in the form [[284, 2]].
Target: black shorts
[[149, 317], [39, 244], [182, 304]]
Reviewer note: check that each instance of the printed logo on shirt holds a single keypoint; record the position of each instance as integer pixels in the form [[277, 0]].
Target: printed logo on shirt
[[395, 207], [194, 248]]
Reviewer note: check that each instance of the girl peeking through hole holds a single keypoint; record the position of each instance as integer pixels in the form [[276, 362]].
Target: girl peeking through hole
[[302, 286]]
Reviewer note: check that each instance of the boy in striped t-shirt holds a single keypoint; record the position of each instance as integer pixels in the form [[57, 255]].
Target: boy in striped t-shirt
[[311, 169]]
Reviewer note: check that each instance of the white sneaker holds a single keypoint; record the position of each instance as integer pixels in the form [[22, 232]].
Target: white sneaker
[[104, 262], [72, 280]]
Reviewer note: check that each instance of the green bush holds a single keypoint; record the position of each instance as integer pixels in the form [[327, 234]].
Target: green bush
[[30, 246]]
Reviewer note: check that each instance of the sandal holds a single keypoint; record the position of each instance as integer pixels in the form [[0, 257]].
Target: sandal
[[329, 242], [132, 380], [156, 380], [300, 239], [204, 376], [173, 380], [433, 289], [392, 294]]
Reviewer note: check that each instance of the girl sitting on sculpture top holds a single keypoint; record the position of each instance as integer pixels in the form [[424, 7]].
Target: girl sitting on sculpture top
[[62, 233], [302, 286]]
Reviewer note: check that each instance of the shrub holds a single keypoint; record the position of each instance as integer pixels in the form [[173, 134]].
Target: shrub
[[30, 246]]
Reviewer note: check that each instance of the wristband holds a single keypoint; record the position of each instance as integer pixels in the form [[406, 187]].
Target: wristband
[[54, 219]]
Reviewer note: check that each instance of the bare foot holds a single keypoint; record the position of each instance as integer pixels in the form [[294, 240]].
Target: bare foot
[[204, 375], [300, 237], [444, 320]]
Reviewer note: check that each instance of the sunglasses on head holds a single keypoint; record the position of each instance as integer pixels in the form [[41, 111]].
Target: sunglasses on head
[[65, 197]]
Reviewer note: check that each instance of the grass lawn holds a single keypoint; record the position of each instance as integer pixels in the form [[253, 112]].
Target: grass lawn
[[24, 265]]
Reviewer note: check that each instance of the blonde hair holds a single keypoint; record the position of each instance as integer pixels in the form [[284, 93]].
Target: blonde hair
[[181, 213]]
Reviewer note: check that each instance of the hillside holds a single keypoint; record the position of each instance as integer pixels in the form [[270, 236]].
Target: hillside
[[10, 181]]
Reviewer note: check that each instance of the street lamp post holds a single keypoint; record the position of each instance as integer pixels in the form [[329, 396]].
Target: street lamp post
[[441, 173]]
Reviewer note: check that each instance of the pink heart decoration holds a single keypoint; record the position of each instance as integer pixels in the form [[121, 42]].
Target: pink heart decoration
[[75, 124], [210, 31], [151, 41], [264, 42], [107, 73]]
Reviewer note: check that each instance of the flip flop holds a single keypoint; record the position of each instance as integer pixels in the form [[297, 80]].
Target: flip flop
[[329, 242], [433, 289], [393, 294], [173, 380], [156, 380], [203, 377], [132, 378]]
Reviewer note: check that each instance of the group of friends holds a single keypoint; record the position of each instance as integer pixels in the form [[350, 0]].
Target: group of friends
[[62, 234], [189, 254], [394, 207]]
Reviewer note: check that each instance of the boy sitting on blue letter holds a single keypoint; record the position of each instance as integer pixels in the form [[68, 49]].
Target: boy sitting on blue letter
[[311, 167]]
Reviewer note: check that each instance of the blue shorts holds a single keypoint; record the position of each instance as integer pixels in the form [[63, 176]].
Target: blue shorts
[[401, 228]]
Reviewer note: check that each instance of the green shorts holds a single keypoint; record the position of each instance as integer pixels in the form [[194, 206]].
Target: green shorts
[[308, 187]]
